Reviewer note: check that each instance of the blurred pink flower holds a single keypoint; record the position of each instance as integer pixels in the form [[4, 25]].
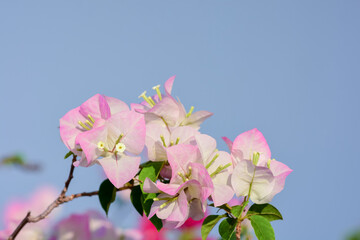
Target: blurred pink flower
[[90, 225], [149, 230], [190, 223], [17, 209]]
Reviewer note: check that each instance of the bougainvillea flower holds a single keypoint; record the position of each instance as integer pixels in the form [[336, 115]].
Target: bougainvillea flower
[[249, 142], [252, 159], [166, 110], [158, 138], [280, 172], [87, 226], [248, 178], [17, 209], [113, 142], [186, 194], [82, 119], [219, 166]]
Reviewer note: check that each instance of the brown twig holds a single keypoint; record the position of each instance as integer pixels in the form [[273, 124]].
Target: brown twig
[[62, 198], [238, 231]]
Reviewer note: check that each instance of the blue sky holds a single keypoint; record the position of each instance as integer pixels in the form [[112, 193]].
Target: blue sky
[[288, 68]]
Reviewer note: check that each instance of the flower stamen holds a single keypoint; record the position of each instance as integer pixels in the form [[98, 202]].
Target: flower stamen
[[212, 161], [255, 159], [91, 118], [143, 95], [152, 101], [156, 88], [220, 169], [89, 123], [83, 125], [190, 111], [163, 140]]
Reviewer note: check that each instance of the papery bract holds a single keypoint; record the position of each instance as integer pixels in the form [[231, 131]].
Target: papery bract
[[219, 166], [260, 179], [113, 142], [104, 131], [165, 110], [267, 176], [186, 194], [158, 138], [81, 119]]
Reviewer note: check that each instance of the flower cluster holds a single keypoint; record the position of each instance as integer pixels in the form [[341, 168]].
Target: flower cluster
[[105, 131]]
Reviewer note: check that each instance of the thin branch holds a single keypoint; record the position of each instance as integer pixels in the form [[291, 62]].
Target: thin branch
[[67, 183], [61, 199], [238, 231], [21, 225]]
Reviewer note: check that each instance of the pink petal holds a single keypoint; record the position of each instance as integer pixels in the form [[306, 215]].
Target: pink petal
[[172, 189], [243, 175], [228, 142], [280, 171], [168, 85], [116, 105], [196, 212], [185, 134], [104, 107], [93, 107], [206, 145], [250, 142], [138, 108], [120, 171], [181, 210], [166, 211], [149, 186], [199, 172], [197, 118], [179, 156], [168, 109], [132, 126], [70, 128], [279, 168], [222, 194], [88, 141], [153, 143]]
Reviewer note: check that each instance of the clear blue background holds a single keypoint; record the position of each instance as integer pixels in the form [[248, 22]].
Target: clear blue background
[[288, 68]]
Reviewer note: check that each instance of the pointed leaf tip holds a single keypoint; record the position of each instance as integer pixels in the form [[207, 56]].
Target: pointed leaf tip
[[107, 194]]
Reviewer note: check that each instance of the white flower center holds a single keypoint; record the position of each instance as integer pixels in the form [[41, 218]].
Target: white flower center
[[120, 147], [101, 145]]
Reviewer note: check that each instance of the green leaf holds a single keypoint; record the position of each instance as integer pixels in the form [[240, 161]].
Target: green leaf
[[150, 170], [68, 154], [262, 228], [233, 236], [236, 210], [136, 199], [209, 223], [107, 193], [267, 211], [227, 227], [157, 222], [147, 199], [16, 159]]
